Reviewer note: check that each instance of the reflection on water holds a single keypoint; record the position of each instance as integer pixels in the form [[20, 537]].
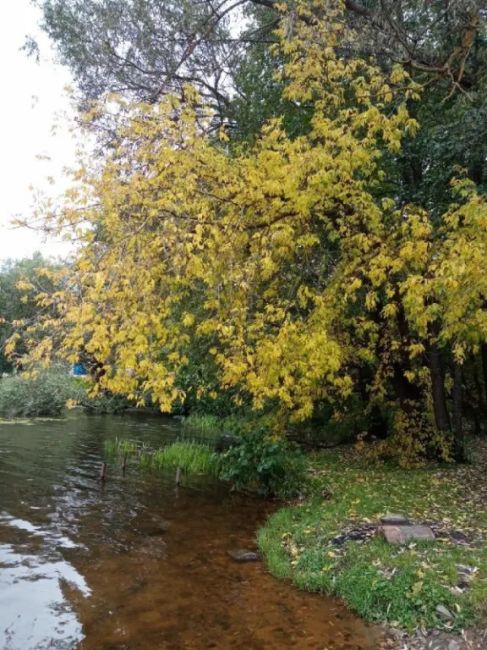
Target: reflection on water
[[135, 563]]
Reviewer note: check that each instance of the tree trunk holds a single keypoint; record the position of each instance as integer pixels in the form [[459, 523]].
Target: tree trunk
[[459, 439], [442, 417], [483, 351], [408, 393]]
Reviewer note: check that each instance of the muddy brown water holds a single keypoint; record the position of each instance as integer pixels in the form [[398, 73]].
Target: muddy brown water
[[136, 563]]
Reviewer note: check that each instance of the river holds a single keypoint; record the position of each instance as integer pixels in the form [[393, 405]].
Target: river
[[136, 563]]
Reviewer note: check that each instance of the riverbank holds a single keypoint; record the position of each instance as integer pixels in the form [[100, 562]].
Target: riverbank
[[427, 592]]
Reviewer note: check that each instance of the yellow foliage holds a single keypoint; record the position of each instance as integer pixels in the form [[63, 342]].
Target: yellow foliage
[[281, 256]]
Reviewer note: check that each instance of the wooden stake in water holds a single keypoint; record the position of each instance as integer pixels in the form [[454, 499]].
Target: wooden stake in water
[[103, 472], [124, 465], [178, 476]]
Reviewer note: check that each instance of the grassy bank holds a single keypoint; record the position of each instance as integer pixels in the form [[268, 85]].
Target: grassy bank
[[329, 543]]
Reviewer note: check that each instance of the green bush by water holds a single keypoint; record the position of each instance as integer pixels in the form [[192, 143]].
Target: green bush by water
[[103, 403], [269, 466], [42, 395], [46, 392]]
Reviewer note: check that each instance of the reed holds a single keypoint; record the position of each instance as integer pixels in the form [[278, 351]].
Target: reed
[[121, 447], [192, 458]]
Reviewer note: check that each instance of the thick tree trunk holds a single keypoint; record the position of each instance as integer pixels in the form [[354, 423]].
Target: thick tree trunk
[[479, 384], [477, 427], [459, 439], [377, 424], [442, 417], [407, 393]]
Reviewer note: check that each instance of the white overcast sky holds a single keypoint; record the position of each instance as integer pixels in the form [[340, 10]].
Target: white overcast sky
[[33, 99]]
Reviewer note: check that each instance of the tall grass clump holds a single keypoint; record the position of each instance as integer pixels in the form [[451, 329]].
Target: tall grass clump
[[214, 428], [191, 457]]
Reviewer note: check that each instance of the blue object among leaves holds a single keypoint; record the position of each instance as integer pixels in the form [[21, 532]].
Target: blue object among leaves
[[79, 370]]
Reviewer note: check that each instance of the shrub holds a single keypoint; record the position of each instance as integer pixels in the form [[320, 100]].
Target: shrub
[[214, 429], [44, 394], [267, 465]]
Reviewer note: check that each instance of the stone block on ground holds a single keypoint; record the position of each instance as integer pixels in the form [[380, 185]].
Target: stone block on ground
[[404, 534], [393, 519]]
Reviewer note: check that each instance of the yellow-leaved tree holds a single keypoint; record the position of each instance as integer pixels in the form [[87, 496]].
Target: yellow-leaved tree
[[286, 261]]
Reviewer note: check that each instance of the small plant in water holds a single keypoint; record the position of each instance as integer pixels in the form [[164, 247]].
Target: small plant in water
[[122, 446]]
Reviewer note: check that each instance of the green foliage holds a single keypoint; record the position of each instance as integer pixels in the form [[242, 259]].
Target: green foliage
[[198, 379], [260, 91], [44, 394], [47, 392], [333, 424], [402, 585], [258, 463], [267, 465], [213, 426]]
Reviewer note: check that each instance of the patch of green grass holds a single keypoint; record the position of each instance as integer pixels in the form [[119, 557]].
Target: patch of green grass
[[191, 457], [402, 585]]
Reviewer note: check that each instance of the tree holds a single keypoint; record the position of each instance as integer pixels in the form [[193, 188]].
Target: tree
[[293, 259]]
